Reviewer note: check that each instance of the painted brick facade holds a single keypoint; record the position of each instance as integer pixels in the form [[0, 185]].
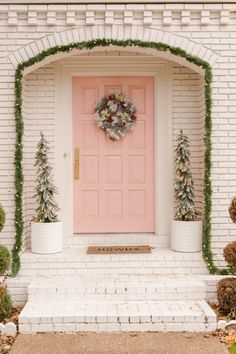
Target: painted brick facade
[[207, 31], [39, 115], [188, 114]]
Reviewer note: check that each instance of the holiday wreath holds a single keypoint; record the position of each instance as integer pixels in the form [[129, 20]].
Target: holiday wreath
[[115, 114]]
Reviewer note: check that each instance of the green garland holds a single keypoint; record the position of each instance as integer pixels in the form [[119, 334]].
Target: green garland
[[19, 224]]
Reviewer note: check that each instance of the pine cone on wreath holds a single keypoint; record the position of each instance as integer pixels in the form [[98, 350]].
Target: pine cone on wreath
[[232, 210]]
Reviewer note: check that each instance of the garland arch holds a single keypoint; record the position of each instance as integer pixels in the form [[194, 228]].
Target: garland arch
[[162, 47]]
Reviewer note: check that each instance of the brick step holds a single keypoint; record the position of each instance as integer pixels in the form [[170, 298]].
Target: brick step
[[42, 315], [112, 289], [112, 239], [76, 262]]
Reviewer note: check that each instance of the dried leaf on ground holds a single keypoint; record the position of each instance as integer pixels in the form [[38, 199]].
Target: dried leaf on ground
[[5, 341]]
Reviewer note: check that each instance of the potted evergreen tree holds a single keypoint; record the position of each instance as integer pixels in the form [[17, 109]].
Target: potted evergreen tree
[[186, 233], [46, 229]]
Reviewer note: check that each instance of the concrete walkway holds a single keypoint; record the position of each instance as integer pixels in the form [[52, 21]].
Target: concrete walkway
[[123, 343]]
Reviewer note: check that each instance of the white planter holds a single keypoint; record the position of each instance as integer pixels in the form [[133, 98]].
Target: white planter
[[186, 236], [46, 237]]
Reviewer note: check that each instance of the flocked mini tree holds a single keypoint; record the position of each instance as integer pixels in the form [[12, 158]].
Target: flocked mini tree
[[184, 185], [45, 188]]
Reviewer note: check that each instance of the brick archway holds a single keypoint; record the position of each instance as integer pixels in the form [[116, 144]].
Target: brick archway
[[81, 34], [149, 41]]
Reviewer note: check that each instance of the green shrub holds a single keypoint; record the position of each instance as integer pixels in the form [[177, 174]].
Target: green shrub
[[5, 260], [230, 254], [232, 210], [233, 348], [2, 217], [5, 303], [226, 294]]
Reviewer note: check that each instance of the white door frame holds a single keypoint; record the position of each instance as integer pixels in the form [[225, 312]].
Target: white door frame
[[124, 66]]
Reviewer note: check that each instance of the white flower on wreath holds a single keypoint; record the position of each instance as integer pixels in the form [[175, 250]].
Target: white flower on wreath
[[112, 106], [104, 115], [125, 117]]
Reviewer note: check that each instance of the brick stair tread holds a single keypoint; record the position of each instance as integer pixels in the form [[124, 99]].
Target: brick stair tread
[[93, 285], [41, 315], [158, 281], [112, 239], [79, 253], [80, 311], [75, 261]]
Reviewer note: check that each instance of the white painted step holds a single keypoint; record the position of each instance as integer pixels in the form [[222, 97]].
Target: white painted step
[[40, 315], [133, 288], [112, 239], [75, 261]]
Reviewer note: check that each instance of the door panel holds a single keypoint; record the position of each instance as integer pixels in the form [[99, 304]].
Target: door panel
[[115, 189]]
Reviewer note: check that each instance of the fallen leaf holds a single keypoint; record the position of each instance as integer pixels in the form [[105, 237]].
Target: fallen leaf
[[229, 340], [7, 347]]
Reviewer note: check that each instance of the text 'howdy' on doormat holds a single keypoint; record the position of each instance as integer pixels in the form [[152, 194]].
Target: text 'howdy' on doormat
[[118, 249]]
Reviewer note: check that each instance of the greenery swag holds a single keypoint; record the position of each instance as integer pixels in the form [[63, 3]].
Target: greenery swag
[[19, 224]]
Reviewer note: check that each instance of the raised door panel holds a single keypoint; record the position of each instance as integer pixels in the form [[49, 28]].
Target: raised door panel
[[136, 169], [113, 169]]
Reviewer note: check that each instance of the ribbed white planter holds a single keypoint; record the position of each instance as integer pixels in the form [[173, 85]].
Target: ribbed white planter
[[186, 236], [46, 237]]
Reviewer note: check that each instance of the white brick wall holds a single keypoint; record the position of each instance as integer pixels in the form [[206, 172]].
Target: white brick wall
[[38, 112], [188, 114], [209, 35]]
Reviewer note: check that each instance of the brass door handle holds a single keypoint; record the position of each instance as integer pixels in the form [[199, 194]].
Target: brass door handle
[[76, 164]]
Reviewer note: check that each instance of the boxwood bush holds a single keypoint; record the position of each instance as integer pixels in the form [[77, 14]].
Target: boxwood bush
[[230, 254], [226, 294], [5, 260], [5, 303], [2, 217]]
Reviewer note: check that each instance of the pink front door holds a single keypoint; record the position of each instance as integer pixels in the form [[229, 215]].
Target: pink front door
[[114, 188]]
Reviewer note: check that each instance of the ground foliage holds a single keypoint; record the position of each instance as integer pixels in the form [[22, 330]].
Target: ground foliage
[[230, 255], [2, 217], [226, 295], [6, 342], [5, 260]]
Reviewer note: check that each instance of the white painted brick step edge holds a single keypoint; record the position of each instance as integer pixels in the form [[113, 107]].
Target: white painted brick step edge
[[18, 286], [77, 284], [152, 288], [76, 262], [79, 254], [68, 316], [112, 239]]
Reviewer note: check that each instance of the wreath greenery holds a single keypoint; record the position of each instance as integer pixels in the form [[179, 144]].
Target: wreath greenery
[[116, 115]]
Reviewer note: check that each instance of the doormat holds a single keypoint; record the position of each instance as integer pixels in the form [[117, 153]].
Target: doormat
[[118, 249]]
